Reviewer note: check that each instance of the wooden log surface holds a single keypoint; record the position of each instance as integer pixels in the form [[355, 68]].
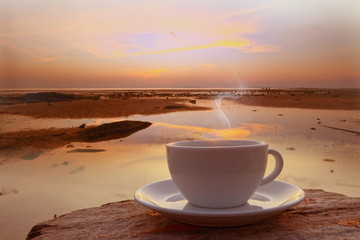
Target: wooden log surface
[[322, 215]]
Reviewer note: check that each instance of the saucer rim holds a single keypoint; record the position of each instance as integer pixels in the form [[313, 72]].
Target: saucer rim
[[217, 212]]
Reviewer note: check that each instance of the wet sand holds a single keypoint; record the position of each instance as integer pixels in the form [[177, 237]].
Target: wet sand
[[123, 104], [58, 137], [98, 108], [310, 99], [84, 105], [29, 144]]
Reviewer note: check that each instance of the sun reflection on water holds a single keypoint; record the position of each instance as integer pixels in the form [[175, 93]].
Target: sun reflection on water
[[203, 133]]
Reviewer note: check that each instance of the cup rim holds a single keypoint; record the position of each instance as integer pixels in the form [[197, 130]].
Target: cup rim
[[214, 144]]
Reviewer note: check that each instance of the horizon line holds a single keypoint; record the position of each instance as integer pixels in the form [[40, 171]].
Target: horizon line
[[171, 88]]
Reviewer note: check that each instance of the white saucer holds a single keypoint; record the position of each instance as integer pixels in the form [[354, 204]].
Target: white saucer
[[268, 200]]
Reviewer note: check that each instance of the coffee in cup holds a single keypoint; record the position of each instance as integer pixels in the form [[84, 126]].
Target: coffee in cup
[[220, 173]]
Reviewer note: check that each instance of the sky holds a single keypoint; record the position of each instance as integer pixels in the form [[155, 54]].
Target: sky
[[179, 43]]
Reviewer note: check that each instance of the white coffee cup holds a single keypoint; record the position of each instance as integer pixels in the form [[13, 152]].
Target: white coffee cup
[[220, 173]]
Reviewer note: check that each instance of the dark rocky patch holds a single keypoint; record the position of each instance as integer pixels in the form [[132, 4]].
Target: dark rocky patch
[[109, 131]]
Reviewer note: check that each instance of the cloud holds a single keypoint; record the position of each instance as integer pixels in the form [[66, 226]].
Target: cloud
[[182, 40], [155, 72], [252, 10], [221, 43], [51, 59], [121, 51], [144, 72], [262, 48], [207, 66], [122, 30]]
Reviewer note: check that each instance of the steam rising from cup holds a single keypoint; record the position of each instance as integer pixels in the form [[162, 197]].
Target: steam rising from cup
[[220, 113], [234, 96]]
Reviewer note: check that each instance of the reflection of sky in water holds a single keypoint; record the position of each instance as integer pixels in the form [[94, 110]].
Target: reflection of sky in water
[[57, 182]]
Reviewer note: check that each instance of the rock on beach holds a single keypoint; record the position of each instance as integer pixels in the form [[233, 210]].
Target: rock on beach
[[322, 215]]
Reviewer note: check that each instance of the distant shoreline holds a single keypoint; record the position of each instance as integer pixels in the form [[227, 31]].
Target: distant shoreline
[[5, 91], [85, 104], [123, 103]]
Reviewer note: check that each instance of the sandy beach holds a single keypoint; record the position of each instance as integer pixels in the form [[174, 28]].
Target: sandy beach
[[70, 104], [82, 107], [107, 104], [306, 99]]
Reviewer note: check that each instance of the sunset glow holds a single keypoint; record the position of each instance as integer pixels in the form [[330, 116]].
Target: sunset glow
[[179, 43]]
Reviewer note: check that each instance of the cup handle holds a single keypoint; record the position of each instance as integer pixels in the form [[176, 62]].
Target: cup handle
[[279, 163]]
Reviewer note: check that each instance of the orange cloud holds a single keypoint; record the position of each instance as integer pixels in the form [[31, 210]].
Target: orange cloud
[[47, 59], [119, 51], [262, 48], [51, 59], [207, 66], [155, 72], [145, 73], [222, 43]]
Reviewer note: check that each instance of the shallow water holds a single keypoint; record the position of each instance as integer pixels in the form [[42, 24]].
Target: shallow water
[[59, 181]]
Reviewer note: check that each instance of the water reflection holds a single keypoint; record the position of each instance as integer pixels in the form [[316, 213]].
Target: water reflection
[[57, 182], [209, 133]]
